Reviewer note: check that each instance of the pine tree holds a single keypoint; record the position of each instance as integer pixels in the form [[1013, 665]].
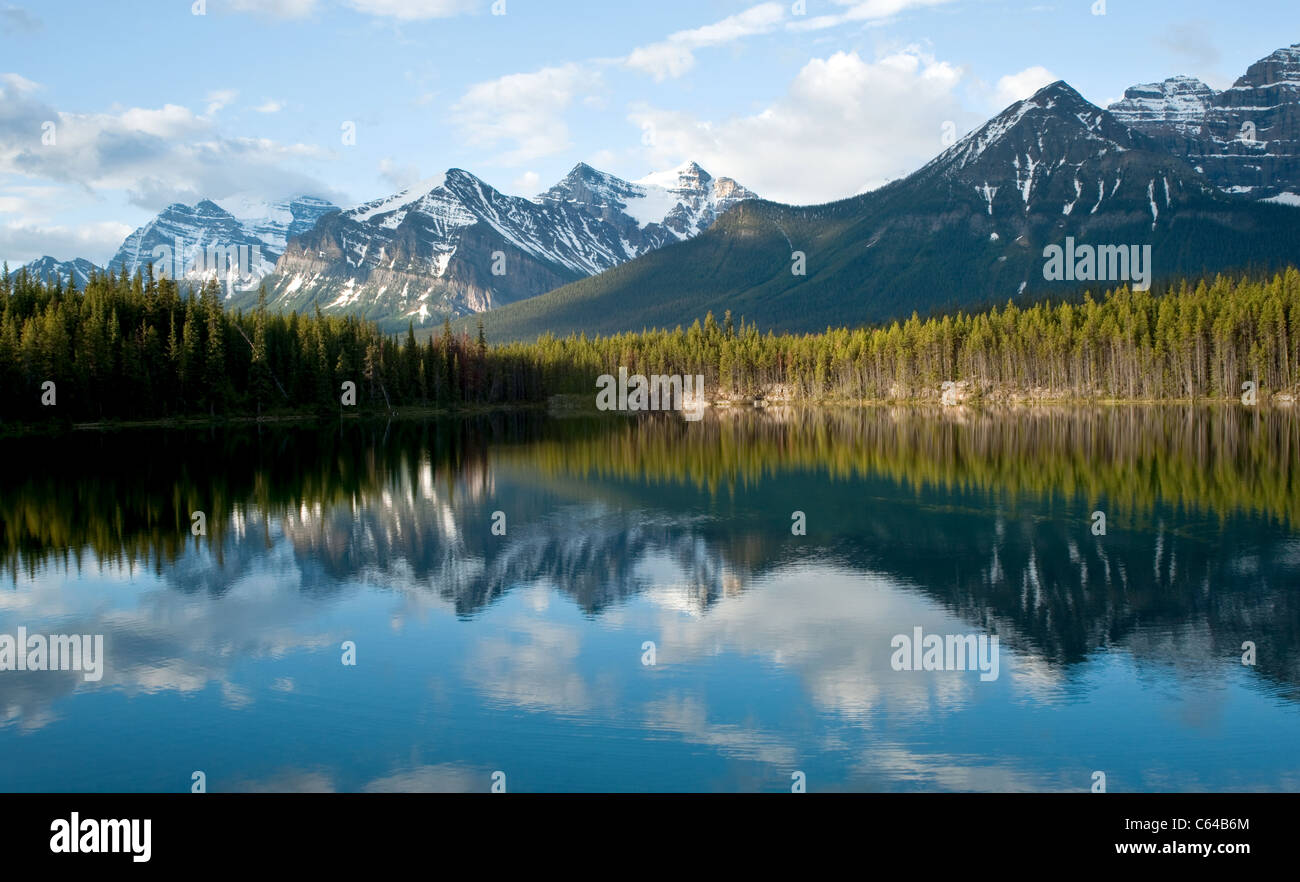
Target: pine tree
[[260, 374]]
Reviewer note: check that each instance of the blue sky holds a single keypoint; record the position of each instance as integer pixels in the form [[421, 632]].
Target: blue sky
[[151, 103]]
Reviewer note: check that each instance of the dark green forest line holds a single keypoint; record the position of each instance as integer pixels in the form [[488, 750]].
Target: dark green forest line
[[142, 348]]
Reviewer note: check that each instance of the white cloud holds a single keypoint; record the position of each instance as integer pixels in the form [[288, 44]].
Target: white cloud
[[35, 202], [845, 125], [860, 11], [1019, 86], [399, 177], [523, 112], [528, 183], [414, 10], [277, 8], [673, 56], [22, 242], [17, 84], [154, 155], [662, 60], [270, 106], [440, 778], [220, 99], [603, 158]]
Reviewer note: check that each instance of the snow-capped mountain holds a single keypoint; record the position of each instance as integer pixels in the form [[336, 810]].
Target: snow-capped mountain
[[973, 227], [178, 241], [49, 270], [1057, 155], [1245, 139], [1178, 104], [274, 224], [455, 245], [659, 208], [1171, 154]]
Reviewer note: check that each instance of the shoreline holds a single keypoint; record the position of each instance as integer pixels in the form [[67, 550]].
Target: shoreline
[[19, 428], [562, 405]]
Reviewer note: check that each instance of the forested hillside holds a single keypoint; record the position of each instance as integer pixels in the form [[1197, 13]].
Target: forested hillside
[[1196, 340]]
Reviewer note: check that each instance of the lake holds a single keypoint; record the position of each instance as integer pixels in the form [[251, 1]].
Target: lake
[[634, 604]]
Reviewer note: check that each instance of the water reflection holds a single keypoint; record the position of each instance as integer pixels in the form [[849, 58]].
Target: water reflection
[[523, 653]]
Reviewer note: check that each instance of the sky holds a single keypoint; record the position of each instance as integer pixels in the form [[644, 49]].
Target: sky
[[109, 112]]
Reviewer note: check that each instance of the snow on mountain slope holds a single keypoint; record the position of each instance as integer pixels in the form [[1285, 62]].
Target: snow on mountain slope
[[973, 227], [274, 224], [178, 240], [1179, 103], [1245, 139], [683, 202], [453, 244], [1058, 155], [49, 269], [692, 197]]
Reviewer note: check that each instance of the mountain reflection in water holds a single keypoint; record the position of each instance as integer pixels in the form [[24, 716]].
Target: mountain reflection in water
[[523, 653]]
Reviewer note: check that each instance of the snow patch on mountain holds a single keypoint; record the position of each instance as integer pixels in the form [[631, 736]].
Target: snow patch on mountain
[[390, 205], [49, 270], [180, 238], [1180, 102], [1245, 139]]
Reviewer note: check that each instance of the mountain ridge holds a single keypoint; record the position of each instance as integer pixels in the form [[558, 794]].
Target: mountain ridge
[[1246, 138], [461, 246], [974, 220], [1052, 164]]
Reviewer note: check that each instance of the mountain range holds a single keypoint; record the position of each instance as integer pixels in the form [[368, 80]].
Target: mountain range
[[428, 252], [1245, 139], [1195, 173], [184, 228], [47, 269], [455, 245], [968, 229]]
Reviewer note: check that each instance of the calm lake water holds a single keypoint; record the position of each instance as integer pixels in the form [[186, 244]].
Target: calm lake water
[[774, 653]]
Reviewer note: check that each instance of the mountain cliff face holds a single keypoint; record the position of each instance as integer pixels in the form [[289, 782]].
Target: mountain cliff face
[[968, 229], [455, 245], [1245, 139]]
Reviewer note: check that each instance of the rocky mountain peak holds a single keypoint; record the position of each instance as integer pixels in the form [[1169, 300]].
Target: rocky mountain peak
[[438, 248], [1280, 68], [1180, 102], [50, 269], [1056, 122], [1245, 140], [207, 224], [687, 176]]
